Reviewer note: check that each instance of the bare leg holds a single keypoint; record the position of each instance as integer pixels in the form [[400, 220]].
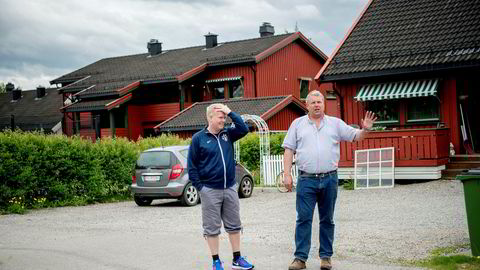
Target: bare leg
[[212, 242], [234, 241]]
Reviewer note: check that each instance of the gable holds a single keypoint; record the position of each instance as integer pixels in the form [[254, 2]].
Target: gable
[[399, 36], [194, 118]]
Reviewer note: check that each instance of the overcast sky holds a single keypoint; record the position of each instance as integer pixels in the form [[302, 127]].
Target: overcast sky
[[41, 40]]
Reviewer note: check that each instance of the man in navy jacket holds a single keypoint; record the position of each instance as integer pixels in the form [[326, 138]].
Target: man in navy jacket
[[211, 168]]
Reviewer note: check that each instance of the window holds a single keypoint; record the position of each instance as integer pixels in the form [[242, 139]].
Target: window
[[385, 110], [235, 89], [304, 88], [218, 90], [226, 88], [157, 159], [422, 109]]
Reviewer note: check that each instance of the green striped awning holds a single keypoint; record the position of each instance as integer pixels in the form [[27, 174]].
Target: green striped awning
[[397, 90], [223, 79]]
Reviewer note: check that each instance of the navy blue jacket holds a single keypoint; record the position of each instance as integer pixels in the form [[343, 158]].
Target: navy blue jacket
[[211, 160]]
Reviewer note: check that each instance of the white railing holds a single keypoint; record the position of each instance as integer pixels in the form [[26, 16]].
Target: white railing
[[272, 166]]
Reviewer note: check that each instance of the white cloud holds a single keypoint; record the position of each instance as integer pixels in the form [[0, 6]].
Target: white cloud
[[308, 11], [43, 39]]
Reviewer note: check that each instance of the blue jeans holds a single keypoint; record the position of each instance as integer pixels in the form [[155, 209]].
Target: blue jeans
[[311, 191]]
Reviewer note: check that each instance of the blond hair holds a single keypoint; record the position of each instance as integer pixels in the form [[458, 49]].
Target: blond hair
[[210, 109]]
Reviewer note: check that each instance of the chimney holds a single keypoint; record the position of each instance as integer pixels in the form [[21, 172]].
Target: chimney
[[40, 92], [154, 47], [266, 30], [210, 40], [16, 94], [9, 87]]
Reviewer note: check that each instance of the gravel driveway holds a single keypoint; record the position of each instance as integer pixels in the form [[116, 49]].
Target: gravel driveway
[[375, 229]]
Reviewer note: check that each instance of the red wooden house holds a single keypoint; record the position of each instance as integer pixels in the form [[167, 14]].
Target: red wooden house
[[129, 95], [415, 64]]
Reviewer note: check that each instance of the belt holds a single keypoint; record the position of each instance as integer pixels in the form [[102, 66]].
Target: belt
[[316, 175]]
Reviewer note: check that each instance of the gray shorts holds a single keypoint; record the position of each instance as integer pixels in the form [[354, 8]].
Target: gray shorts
[[220, 205]]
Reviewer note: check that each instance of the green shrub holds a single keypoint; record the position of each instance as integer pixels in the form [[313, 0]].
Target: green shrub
[[250, 149], [38, 170]]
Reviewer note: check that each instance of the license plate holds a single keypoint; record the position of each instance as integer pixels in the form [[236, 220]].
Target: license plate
[[152, 178]]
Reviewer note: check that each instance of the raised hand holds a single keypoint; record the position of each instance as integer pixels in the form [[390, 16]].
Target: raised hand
[[369, 119], [222, 108]]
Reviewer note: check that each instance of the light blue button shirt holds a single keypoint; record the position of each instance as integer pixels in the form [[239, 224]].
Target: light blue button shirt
[[318, 149]]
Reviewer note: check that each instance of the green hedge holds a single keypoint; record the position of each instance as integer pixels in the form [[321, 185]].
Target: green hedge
[[38, 170], [250, 149]]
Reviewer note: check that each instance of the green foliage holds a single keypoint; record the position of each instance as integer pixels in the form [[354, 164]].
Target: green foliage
[[38, 170], [448, 258], [162, 140], [250, 149], [348, 184], [2, 87], [451, 262]]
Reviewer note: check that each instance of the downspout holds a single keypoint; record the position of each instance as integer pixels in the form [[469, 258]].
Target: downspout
[[254, 69]]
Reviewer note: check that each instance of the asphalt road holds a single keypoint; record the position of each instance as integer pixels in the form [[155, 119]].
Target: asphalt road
[[375, 230]]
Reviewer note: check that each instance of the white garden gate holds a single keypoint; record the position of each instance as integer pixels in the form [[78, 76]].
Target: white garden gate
[[272, 166], [264, 140]]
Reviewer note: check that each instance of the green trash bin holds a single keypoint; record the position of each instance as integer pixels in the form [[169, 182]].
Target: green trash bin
[[471, 189]]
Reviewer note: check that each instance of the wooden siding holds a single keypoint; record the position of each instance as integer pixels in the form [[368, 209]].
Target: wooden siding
[[144, 116], [68, 124], [88, 134], [353, 111], [119, 132], [416, 147], [281, 121], [449, 112], [235, 71], [279, 73]]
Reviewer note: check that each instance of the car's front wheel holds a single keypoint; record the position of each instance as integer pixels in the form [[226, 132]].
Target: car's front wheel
[[190, 195], [246, 187], [140, 201]]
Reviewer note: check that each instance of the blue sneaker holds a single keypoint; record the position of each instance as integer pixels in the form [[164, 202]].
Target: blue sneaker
[[217, 265], [241, 263]]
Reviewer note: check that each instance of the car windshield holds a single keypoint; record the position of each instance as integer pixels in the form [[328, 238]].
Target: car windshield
[[157, 159]]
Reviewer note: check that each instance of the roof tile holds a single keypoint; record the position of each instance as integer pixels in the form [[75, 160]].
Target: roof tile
[[394, 34]]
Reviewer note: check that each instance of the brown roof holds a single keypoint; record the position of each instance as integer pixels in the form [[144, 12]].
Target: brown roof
[[194, 118], [31, 113], [399, 36], [107, 76]]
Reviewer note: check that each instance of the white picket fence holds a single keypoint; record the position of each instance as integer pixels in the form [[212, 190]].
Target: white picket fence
[[272, 166]]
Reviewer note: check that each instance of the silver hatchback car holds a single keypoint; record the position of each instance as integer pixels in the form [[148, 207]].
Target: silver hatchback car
[[161, 173]]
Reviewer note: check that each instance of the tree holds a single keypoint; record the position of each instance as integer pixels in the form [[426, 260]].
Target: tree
[[2, 87]]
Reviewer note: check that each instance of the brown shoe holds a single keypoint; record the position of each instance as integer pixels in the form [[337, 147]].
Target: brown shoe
[[326, 264], [297, 264]]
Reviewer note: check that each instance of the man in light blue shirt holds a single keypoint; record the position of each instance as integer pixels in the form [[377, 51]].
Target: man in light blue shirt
[[315, 138]]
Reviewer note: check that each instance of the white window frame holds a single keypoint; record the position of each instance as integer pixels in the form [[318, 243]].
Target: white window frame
[[378, 175]]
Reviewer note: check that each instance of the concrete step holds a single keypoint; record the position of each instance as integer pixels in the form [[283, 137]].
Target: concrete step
[[451, 173], [465, 158], [463, 164]]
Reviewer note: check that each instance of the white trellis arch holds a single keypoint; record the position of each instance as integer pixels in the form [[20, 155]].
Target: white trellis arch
[[264, 139]]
